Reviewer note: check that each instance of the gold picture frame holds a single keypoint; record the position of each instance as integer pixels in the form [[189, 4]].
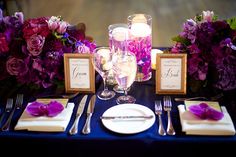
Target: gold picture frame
[[79, 73], [171, 73]]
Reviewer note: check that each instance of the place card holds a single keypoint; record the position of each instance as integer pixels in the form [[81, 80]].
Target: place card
[[171, 73], [79, 73]]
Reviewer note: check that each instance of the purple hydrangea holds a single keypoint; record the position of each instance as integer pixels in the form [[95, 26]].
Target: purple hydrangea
[[211, 48]]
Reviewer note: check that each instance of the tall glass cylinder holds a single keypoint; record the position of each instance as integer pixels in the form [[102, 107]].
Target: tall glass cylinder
[[140, 44], [118, 43], [118, 37]]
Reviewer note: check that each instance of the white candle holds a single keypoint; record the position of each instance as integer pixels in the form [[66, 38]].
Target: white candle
[[153, 57], [120, 34], [140, 30]]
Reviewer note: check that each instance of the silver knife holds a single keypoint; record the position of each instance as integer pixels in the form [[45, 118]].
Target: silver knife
[[126, 117], [86, 128], [74, 128]]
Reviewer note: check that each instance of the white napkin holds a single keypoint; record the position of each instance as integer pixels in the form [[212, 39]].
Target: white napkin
[[223, 127], [46, 124]]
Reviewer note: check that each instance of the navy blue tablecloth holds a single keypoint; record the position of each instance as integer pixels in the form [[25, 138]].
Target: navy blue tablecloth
[[102, 142]]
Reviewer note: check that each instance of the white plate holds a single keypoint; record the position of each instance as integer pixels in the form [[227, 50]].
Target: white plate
[[128, 126]]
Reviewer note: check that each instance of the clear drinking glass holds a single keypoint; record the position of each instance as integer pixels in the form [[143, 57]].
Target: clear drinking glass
[[124, 67], [118, 43], [102, 62], [140, 44]]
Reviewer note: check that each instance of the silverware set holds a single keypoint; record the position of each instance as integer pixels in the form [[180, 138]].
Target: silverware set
[[158, 111], [74, 127], [86, 129], [167, 105], [10, 109]]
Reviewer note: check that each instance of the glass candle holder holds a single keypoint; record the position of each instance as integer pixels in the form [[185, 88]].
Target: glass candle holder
[[140, 44], [118, 43], [118, 37]]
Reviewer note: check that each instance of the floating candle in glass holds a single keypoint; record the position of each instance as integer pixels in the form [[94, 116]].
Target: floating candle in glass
[[140, 44]]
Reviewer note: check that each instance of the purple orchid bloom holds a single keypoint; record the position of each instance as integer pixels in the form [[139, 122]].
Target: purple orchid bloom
[[204, 111], [40, 109]]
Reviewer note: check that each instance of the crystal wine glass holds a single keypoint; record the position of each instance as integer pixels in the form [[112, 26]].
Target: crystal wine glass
[[125, 68], [103, 64]]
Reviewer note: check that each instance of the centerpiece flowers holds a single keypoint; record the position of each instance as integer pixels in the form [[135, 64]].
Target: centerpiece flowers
[[31, 51], [210, 47]]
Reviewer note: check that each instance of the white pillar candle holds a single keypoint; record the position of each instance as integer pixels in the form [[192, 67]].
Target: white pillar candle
[[120, 33], [153, 57], [140, 30]]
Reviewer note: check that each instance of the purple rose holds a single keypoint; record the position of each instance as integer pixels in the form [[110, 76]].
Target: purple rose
[[35, 44], [16, 66]]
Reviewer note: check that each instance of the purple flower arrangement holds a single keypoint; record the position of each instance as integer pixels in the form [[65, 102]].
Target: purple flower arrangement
[[31, 51], [210, 46]]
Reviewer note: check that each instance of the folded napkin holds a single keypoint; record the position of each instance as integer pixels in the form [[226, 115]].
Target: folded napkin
[[58, 123], [193, 126]]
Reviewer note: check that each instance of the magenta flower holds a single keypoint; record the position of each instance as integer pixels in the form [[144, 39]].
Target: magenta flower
[[204, 111], [16, 66], [35, 44], [39, 109]]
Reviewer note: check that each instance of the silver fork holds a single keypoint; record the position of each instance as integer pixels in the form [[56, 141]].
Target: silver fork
[[6, 126], [19, 101], [167, 107], [8, 108], [158, 111]]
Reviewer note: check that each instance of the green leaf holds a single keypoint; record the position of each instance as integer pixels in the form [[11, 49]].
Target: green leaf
[[181, 40], [232, 23], [215, 18], [198, 18], [58, 36]]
